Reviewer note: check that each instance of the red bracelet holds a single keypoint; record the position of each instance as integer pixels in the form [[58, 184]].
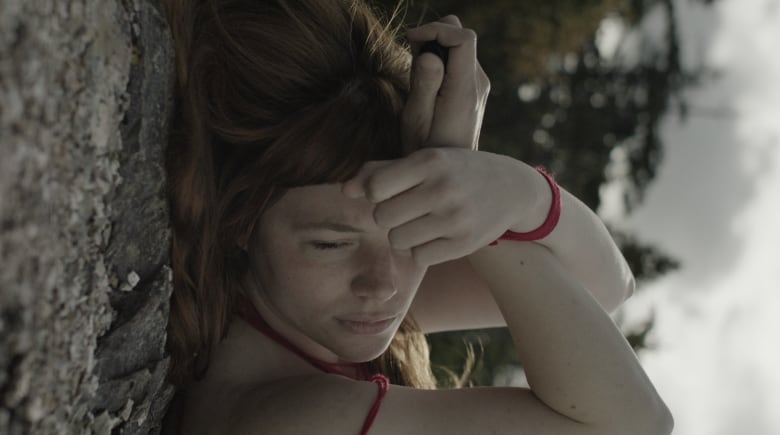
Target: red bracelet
[[549, 224]]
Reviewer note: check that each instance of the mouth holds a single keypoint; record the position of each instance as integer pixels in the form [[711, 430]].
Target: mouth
[[367, 326]]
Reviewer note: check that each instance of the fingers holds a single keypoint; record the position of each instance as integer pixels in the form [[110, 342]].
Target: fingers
[[416, 45], [355, 187], [427, 76], [414, 203], [460, 101], [418, 232], [381, 180], [451, 19], [436, 251], [426, 79], [462, 44], [425, 238]]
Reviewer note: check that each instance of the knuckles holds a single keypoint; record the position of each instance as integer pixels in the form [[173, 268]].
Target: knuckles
[[433, 157], [430, 66], [452, 19], [372, 189], [396, 240]]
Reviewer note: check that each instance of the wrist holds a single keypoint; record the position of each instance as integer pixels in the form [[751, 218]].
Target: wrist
[[535, 210]]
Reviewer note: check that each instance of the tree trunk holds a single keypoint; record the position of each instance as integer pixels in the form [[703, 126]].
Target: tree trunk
[[85, 101]]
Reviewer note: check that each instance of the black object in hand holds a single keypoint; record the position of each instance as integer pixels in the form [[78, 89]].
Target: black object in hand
[[437, 49]]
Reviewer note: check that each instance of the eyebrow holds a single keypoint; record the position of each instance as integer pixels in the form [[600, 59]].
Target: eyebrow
[[326, 225]]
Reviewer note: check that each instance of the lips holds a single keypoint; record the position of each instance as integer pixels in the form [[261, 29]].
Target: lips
[[367, 325]]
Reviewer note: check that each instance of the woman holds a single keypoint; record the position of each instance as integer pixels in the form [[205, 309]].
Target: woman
[[328, 210]]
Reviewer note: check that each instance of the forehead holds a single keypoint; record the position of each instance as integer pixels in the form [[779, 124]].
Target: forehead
[[323, 201]]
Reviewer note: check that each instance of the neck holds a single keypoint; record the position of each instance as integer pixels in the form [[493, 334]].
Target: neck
[[291, 334], [284, 328]]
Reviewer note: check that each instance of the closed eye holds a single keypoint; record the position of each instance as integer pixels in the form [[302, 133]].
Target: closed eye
[[328, 245]]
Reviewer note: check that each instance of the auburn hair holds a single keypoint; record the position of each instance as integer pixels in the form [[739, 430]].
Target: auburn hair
[[271, 94]]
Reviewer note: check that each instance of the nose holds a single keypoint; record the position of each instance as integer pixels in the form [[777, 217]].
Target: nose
[[377, 277]]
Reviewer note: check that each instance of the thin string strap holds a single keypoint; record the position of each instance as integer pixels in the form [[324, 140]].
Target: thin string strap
[[384, 385], [250, 314]]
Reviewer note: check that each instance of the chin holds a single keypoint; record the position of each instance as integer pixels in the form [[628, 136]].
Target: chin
[[363, 350]]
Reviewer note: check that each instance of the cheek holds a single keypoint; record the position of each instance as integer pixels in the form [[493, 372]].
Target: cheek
[[412, 272], [303, 284]]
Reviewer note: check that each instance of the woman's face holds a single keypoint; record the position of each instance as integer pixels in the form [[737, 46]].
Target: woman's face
[[324, 275]]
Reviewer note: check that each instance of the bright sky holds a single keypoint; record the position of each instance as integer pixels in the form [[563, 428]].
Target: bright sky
[[715, 205]]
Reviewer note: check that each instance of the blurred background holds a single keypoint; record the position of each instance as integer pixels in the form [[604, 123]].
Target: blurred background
[[664, 117]]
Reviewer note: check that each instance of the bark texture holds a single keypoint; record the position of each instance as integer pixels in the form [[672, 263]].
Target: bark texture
[[85, 99]]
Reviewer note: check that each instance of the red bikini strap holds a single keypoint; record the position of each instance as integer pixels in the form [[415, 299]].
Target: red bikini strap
[[384, 385], [248, 312]]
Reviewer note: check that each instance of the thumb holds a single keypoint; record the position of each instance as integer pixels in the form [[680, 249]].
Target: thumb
[[427, 74]]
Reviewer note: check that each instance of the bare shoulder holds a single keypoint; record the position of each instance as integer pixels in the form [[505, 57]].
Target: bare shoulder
[[252, 391], [329, 404], [243, 360]]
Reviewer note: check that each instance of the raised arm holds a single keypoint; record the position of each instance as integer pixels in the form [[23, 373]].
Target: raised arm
[[576, 361], [580, 241], [453, 295], [584, 377], [445, 109]]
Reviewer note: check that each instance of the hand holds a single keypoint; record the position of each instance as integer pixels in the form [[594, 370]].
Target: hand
[[443, 203], [444, 108]]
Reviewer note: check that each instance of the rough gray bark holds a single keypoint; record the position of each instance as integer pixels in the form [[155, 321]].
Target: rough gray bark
[[85, 98]]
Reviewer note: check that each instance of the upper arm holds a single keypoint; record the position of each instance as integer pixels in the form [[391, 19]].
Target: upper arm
[[325, 404], [452, 296]]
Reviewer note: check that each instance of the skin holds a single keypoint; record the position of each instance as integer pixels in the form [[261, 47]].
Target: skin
[[441, 204], [316, 276], [304, 281]]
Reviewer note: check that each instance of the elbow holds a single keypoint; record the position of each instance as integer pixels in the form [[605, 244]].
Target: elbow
[[630, 287], [624, 291], [619, 293], [616, 287], [651, 421], [661, 424], [665, 420], [625, 282], [658, 419], [645, 414], [658, 416]]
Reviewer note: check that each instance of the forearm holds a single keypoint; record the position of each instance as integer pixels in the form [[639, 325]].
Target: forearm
[[576, 361], [580, 240]]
